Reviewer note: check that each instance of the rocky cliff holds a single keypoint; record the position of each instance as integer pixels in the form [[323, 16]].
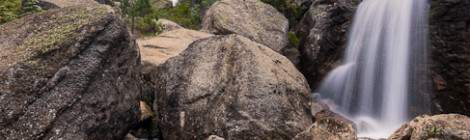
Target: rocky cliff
[[323, 33], [450, 54]]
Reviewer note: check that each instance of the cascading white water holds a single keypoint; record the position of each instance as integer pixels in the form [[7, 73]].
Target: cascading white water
[[174, 2], [386, 45]]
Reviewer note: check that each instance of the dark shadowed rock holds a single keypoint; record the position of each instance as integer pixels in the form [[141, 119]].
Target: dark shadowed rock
[[250, 18], [293, 10], [450, 38], [303, 2], [231, 87], [439, 127], [146, 128], [107, 2], [68, 74], [329, 126], [323, 34]]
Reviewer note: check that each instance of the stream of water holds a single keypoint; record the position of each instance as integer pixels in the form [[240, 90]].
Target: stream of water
[[382, 67]]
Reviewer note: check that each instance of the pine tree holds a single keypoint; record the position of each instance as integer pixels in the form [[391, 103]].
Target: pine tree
[[135, 8]]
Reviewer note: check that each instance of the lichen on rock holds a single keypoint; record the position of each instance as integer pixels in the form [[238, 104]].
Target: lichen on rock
[[68, 73]]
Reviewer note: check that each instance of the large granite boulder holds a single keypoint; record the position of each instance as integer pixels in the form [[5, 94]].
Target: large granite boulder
[[323, 33], [231, 87], [439, 127], [250, 18], [68, 73], [154, 52], [329, 126], [450, 42]]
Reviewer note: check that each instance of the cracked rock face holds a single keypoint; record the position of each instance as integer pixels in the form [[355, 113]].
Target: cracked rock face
[[231, 87], [323, 33], [450, 51], [438, 127], [253, 19], [68, 73]]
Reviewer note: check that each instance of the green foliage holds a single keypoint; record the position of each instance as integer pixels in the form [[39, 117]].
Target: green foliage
[[138, 12], [125, 7], [9, 10], [145, 15], [136, 8], [12, 9], [293, 39], [148, 25], [141, 8], [30, 6], [289, 8], [207, 3], [434, 131], [183, 14]]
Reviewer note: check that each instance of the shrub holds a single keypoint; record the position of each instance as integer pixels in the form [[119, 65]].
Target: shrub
[[289, 8], [183, 14], [29, 6], [12, 9], [293, 39], [146, 16], [9, 10]]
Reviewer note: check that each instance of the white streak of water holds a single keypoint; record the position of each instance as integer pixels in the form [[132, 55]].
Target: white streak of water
[[174, 2], [372, 86]]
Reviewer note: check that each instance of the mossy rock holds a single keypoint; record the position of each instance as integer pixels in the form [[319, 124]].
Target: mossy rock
[[68, 73], [29, 37]]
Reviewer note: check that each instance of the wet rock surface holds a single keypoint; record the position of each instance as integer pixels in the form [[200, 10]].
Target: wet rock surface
[[68, 74], [450, 33], [231, 87], [323, 34], [438, 127], [329, 126], [253, 19]]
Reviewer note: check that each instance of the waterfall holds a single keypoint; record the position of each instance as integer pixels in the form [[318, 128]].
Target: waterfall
[[174, 2], [384, 67]]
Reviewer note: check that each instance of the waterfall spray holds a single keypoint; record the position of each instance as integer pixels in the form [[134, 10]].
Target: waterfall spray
[[386, 49]]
